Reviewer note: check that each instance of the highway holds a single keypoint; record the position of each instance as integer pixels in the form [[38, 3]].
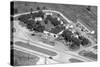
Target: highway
[[59, 49], [35, 53]]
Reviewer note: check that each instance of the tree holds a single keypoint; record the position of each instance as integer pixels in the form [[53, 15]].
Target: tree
[[40, 28], [74, 46], [67, 35], [38, 8], [76, 40], [84, 41], [53, 21]]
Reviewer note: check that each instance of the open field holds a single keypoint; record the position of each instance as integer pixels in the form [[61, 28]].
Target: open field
[[22, 58]]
